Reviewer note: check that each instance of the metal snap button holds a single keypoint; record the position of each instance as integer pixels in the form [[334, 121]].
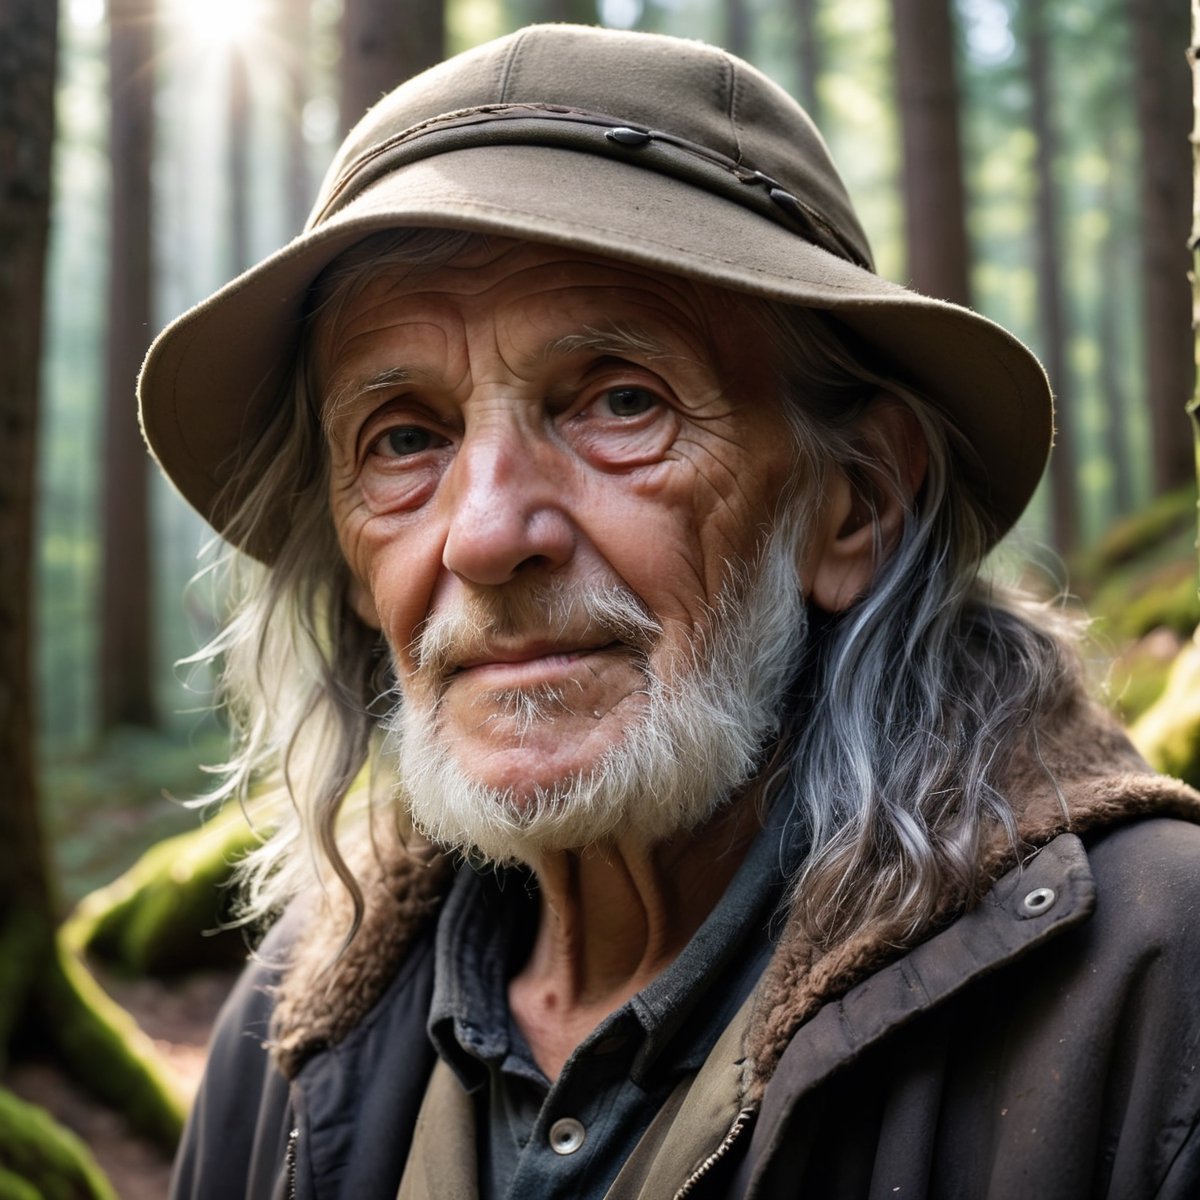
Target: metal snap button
[[1039, 900], [624, 136], [566, 1135]]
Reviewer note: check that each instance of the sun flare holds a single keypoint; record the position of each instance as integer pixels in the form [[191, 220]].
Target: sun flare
[[220, 22]]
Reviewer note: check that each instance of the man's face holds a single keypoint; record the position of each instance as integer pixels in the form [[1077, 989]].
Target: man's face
[[523, 425]]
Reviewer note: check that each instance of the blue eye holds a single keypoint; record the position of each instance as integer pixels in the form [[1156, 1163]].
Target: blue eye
[[407, 439], [630, 401]]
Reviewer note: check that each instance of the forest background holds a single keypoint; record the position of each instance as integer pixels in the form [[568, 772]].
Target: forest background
[[1029, 157]]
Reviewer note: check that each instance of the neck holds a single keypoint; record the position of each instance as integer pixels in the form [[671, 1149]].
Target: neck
[[611, 918]]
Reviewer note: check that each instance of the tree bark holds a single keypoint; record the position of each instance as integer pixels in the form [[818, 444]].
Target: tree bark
[[578, 12], [42, 988], [1116, 400], [1164, 118], [28, 32], [1194, 403], [934, 195], [1051, 305], [238, 166], [383, 43], [126, 651], [737, 28], [297, 34], [808, 56]]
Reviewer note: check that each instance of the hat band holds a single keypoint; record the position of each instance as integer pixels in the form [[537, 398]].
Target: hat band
[[591, 133]]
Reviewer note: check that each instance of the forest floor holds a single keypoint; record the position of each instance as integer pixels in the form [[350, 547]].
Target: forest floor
[[178, 1015]]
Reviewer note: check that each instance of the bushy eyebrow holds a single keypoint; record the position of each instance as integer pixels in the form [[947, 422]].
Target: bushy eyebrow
[[351, 390], [617, 339]]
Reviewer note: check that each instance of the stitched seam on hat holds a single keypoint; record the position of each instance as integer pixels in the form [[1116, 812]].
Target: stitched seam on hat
[[735, 83], [510, 65]]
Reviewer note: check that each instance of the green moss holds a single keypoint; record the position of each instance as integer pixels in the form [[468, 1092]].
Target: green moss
[[1168, 733], [160, 915], [1143, 574], [104, 1049], [1134, 601], [12, 1188], [39, 1159], [1165, 520], [1137, 683]]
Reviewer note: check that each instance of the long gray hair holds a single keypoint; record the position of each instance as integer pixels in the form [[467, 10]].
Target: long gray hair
[[906, 703]]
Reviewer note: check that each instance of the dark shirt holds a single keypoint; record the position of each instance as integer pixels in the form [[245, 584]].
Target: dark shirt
[[570, 1138]]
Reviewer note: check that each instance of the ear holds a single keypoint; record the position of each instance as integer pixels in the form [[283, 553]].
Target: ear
[[362, 603], [862, 520]]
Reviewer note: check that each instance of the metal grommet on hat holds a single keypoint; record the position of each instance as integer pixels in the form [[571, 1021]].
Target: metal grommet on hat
[[624, 136]]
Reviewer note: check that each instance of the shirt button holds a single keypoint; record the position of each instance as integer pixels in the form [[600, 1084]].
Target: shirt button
[[566, 1135]]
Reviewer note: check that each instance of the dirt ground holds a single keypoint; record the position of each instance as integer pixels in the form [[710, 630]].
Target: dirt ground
[[177, 1015]]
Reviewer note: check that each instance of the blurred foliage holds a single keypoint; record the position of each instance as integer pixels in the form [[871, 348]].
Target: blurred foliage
[[1141, 575], [1138, 584], [40, 1160], [105, 805], [1168, 732]]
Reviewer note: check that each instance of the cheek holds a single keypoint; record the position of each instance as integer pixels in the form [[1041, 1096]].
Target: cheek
[[398, 570], [673, 533]]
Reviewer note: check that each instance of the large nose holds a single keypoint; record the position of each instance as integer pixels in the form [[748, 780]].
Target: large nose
[[508, 509]]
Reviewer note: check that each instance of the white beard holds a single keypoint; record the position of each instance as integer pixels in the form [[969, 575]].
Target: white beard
[[699, 741]]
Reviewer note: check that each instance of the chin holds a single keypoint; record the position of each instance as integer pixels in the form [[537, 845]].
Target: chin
[[516, 822]]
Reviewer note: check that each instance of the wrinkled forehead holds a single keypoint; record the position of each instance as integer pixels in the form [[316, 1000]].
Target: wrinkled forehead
[[431, 275]]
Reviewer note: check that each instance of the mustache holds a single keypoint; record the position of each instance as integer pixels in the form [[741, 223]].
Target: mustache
[[573, 613]]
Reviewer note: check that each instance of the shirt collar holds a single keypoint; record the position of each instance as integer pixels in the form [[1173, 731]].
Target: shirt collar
[[485, 930]]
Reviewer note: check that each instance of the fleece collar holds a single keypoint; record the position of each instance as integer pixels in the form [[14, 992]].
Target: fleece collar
[[1084, 776]]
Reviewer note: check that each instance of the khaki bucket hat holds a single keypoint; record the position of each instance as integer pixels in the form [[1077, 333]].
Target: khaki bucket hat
[[653, 150]]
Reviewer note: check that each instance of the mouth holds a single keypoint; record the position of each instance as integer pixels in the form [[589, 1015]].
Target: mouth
[[528, 665]]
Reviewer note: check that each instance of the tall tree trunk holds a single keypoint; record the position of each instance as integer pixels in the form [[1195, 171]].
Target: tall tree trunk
[[238, 172], [126, 655], [1164, 115], [1194, 404], [43, 990], [737, 28], [808, 55], [297, 33], [1051, 304], [27, 70], [934, 196], [578, 12], [1112, 357], [383, 43]]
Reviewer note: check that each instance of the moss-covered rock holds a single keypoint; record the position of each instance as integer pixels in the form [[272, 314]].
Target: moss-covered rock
[[166, 912], [1168, 733], [105, 1050], [1163, 522], [40, 1160], [1142, 576]]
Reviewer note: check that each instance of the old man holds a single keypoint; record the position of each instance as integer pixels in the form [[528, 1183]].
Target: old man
[[664, 804]]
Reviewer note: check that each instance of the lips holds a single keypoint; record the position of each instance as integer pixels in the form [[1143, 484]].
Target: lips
[[531, 662]]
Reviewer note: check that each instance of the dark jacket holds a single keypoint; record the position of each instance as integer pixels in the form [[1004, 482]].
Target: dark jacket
[[1045, 1043]]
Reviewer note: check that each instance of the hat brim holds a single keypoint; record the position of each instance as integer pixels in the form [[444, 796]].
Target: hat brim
[[212, 377]]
